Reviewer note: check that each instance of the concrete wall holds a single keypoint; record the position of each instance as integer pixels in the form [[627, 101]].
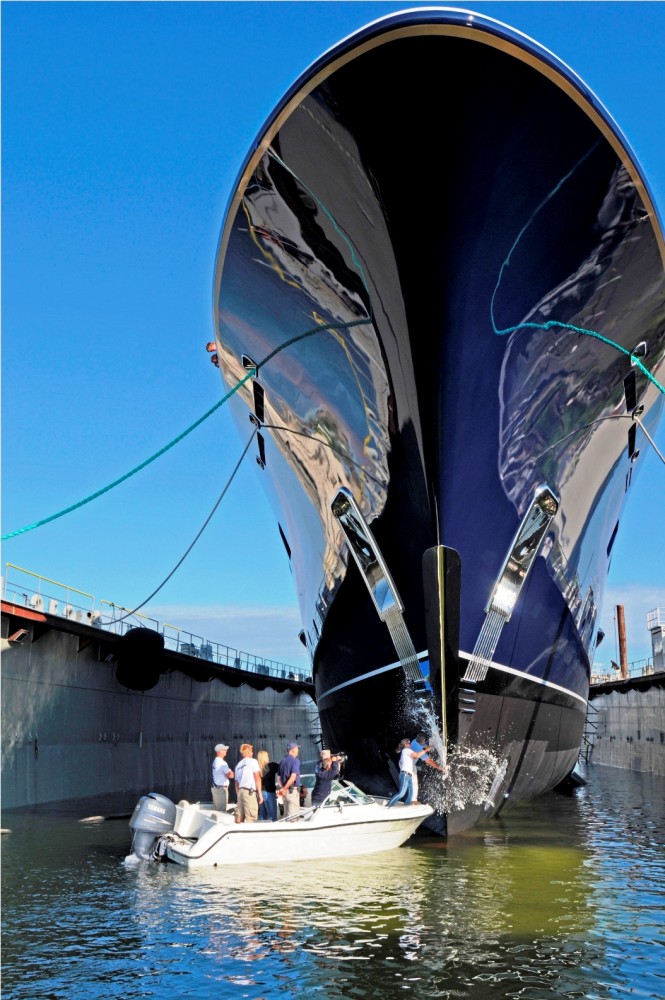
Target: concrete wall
[[630, 729], [70, 730]]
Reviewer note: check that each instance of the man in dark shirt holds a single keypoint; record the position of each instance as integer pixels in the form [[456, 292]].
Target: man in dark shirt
[[289, 775], [326, 771]]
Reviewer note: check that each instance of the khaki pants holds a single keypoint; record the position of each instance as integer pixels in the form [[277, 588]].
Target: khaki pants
[[291, 801], [248, 806], [220, 797]]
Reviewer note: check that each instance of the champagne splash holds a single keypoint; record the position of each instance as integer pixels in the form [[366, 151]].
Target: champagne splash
[[474, 774]]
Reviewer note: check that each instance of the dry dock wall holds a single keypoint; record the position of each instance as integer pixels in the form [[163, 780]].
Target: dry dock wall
[[70, 730], [629, 728]]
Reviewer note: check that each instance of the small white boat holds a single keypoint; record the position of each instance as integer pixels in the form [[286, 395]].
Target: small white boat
[[348, 823]]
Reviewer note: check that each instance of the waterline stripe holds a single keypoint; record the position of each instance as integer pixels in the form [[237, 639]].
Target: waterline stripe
[[363, 677], [529, 677], [490, 663]]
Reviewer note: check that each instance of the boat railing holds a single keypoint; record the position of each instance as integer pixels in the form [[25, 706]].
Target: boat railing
[[41, 594]]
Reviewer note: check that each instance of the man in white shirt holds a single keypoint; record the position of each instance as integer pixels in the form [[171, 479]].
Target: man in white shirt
[[221, 775], [406, 758], [248, 786]]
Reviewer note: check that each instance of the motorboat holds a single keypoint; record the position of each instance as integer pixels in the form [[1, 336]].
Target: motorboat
[[347, 823]]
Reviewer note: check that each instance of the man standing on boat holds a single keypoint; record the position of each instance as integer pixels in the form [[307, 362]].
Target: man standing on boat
[[326, 771], [420, 743], [289, 775], [248, 786], [221, 776]]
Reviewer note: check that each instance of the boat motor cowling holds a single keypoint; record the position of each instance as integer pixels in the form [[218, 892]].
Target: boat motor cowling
[[153, 816]]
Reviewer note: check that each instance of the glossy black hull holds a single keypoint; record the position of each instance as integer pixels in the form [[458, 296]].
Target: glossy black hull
[[439, 263]]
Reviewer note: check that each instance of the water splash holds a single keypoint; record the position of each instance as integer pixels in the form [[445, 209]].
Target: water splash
[[474, 773]]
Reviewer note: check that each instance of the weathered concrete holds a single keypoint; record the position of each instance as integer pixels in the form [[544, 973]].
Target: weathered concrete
[[71, 731], [629, 727]]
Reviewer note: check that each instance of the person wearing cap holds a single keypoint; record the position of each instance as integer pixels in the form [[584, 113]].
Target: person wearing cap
[[221, 776], [420, 743], [289, 775], [326, 771], [248, 785]]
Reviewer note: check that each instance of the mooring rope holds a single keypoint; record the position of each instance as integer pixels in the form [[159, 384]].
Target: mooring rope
[[196, 537], [553, 324], [250, 374], [132, 472]]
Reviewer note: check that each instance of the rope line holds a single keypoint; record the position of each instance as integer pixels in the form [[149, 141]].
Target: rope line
[[310, 333], [196, 537], [127, 475], [116, 482], [555, 324], [552, 324]]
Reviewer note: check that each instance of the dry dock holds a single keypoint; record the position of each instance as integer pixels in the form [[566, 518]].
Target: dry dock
[[626, 723], [71, 729]]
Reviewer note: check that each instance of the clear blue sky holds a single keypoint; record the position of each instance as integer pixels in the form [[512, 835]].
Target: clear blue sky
[[123, 128]]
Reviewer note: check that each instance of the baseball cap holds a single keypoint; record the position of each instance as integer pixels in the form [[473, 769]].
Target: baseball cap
[[221, 746], [291, 745], [325, 753]]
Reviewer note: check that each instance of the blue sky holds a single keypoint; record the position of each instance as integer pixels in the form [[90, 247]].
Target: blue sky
[[124, 127]]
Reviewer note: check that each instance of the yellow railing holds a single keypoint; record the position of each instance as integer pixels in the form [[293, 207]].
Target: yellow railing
[[46, 579]]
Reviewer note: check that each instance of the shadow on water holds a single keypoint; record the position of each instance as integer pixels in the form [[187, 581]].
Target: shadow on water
[[561, 897]]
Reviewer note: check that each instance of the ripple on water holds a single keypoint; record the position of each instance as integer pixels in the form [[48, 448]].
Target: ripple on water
[[563, 897]]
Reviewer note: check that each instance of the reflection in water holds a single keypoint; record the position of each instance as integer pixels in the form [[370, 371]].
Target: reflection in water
[[563, 897]]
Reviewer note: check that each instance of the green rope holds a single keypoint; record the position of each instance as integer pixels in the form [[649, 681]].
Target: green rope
[[555, 324], [309, 333], [127, 475], [552, 323], [250, 374]]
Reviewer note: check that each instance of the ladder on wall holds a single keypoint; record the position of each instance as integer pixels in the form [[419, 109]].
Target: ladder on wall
[[588, 733]]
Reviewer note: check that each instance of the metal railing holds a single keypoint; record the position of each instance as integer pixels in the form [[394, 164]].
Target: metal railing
[[638, 668], [39, 593], [656, 619]]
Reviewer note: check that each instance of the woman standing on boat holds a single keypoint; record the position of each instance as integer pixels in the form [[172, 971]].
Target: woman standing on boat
[[406, 762], [268, 809]]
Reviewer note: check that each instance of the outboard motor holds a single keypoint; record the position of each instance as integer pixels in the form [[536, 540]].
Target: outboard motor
[[153, 816]]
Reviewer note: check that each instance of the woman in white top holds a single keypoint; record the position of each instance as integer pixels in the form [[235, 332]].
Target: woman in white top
[[406, 758]]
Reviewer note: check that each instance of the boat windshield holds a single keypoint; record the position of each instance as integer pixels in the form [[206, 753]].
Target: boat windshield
[[346, 793], [357, 795], [340, 791]]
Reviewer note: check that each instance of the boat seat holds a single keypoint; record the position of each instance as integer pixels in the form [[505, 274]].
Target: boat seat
[[192, 821]]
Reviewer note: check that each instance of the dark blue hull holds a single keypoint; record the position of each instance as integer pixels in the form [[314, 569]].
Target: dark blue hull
[[441, 260]]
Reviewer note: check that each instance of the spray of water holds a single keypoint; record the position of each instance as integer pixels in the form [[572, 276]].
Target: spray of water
[[474, 773]]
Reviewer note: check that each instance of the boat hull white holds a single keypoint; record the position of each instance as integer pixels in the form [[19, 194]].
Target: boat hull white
[[331, 832]]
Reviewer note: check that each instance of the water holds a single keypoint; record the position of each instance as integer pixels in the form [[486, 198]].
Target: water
[[563, 897]]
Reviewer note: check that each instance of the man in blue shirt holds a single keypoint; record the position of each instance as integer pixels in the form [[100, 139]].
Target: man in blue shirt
[[289, 775], [420, 743]]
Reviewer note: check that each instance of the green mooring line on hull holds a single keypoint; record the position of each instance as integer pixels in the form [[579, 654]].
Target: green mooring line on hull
[[553, 324]]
